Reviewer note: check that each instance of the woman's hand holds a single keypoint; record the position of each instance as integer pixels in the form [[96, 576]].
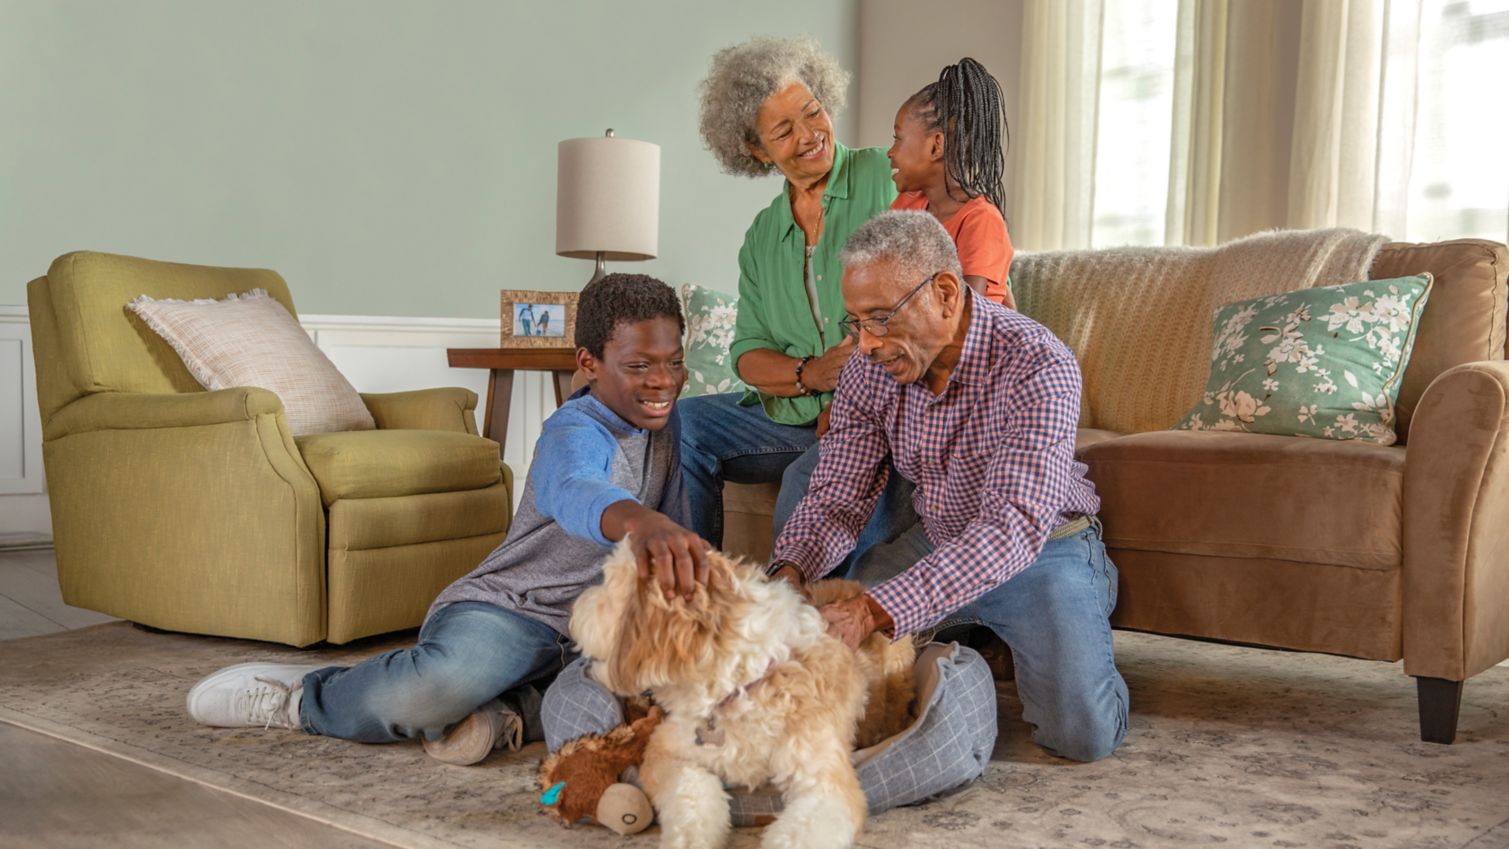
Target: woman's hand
[[673, 556], [822, 421], [821, 372]]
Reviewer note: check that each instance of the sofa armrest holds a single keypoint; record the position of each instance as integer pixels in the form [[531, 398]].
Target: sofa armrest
[[1456, 500], [137, 410], [443, 408]]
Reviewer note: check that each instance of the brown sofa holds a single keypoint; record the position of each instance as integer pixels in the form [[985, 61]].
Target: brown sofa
[[1387, 552]]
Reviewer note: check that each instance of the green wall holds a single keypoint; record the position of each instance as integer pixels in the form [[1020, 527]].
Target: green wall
[[388, 157]]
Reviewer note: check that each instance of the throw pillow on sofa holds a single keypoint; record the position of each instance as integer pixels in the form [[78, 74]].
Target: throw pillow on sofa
[[709, 333], [251, 340], [1323, 362]]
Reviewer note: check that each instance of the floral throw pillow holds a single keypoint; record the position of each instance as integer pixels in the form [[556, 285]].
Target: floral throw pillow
[[1324, 362], [709, 333]]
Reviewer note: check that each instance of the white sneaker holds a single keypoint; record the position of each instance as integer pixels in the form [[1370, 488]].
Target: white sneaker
[[248, 695], [492, 726]]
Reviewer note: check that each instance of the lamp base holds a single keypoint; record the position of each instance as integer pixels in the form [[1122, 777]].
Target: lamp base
[[600, 272]]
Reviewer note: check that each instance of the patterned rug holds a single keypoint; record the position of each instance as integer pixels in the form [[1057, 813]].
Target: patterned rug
[[1228, 745]]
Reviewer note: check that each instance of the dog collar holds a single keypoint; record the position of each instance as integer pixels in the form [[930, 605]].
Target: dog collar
[[708, 733]]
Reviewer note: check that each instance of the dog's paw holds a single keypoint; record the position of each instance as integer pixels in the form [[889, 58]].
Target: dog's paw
[[811, 822], [693, 813]]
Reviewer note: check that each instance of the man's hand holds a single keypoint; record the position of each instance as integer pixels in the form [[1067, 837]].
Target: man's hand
[[854, 619], [821, 372], [675, 557], [822, 421], [793, 576]]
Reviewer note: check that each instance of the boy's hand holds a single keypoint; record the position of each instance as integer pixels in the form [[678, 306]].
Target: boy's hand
[[822, 421], [674, 556]]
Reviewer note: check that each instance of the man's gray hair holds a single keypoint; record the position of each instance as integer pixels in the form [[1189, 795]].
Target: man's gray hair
[[913, 242], [744, 76]]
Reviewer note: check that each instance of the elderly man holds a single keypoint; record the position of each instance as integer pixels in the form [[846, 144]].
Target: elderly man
[[977, 406]]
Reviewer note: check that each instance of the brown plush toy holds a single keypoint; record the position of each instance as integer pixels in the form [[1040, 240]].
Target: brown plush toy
[[583, 778]]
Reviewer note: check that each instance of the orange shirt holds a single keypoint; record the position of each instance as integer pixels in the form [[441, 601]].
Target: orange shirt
[[979, 232]]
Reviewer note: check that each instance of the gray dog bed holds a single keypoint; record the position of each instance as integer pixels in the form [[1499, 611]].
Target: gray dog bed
[[944, 748]]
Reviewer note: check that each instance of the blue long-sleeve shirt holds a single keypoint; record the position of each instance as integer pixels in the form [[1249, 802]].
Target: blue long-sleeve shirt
[[587, 458]]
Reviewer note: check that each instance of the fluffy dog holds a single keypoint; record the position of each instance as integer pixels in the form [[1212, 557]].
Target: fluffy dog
[[755, 691]]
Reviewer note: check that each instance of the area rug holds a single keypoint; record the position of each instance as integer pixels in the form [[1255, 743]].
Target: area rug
[[1228, 745]]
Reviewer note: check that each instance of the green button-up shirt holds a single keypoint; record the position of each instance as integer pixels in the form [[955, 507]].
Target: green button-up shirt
[[773, 309]]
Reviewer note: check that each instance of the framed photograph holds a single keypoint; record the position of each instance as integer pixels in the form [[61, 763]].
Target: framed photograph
[[538, 319]]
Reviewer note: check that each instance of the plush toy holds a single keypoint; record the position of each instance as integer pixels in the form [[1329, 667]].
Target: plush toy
[[583, 779]]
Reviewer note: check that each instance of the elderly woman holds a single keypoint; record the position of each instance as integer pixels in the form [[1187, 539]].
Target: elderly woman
[[765, 110]]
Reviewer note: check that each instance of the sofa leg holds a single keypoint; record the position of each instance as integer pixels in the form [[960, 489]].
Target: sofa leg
[[1440, 702]]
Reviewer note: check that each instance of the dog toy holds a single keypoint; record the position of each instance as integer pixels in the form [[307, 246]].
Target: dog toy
[[583, 779]]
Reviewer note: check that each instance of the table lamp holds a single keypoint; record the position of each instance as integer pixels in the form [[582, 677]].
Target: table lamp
[[607, 200]]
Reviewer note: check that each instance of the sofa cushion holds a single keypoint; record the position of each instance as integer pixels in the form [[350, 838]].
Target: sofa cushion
[[1464, 321], [383, 463], [1238, 495], [252, 340], [1323, 362], [709, 332]]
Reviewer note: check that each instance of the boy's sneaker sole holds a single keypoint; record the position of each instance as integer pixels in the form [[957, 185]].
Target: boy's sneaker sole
[[489, 727]]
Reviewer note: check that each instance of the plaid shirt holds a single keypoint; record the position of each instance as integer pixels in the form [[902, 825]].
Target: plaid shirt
[[992, 458]]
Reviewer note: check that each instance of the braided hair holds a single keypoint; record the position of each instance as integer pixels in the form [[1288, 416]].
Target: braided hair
[[966, 105]]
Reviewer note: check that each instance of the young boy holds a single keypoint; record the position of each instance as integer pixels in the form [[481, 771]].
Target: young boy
[[606, 466]]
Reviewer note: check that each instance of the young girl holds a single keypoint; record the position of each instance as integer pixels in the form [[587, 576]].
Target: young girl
[[947, 159]]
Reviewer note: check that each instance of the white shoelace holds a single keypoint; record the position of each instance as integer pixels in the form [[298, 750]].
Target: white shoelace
[[273, 699]]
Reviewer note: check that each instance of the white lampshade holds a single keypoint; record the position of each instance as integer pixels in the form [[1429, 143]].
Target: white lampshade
[[607, 199]]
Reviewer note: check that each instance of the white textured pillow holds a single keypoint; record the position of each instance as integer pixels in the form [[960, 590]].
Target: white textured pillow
[[251, 340]]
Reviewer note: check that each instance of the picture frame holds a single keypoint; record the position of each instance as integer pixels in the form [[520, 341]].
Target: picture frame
[[532, 319]]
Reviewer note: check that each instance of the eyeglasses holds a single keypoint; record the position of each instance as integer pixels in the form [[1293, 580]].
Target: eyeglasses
[[879, 326]]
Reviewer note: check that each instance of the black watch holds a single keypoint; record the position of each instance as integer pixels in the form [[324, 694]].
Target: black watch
[[781, 564]]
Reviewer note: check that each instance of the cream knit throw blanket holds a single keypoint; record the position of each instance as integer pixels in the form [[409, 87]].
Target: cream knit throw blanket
[[1139, 319]]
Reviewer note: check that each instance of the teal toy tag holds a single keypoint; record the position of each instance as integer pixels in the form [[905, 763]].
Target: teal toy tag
[[553, 795]]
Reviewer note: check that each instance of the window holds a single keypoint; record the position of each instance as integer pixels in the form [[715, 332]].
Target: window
[[1136, 113], [1459, 185]]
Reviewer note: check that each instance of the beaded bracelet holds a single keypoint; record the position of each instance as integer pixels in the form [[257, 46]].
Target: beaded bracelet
[[802, 387]]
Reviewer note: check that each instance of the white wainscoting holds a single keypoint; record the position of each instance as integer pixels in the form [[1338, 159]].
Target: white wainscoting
[[377, 354], [23, 489]]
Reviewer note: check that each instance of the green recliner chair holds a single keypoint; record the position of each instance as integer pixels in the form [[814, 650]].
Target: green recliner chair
[[198, 511]]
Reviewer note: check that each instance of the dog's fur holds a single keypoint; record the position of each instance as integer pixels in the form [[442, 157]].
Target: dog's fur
[[887, 668], [755, 691]]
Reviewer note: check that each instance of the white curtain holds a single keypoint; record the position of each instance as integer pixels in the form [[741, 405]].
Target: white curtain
[[1401, 122], [1335, 178], [1206, 120], [1195, 149], [1053, 195]]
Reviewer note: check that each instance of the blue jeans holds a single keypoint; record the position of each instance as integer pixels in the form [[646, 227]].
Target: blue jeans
[[1055, 616], [893, 511], [722, 441], [468, 653]]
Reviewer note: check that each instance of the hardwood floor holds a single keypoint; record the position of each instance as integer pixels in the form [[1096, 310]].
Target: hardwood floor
[[57, 794], [30, 603]]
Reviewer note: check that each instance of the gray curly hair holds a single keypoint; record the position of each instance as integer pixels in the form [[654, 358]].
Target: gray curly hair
[[911, 240], [744, 76]]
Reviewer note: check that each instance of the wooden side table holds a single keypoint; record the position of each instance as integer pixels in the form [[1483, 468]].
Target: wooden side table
[[501, 364]]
